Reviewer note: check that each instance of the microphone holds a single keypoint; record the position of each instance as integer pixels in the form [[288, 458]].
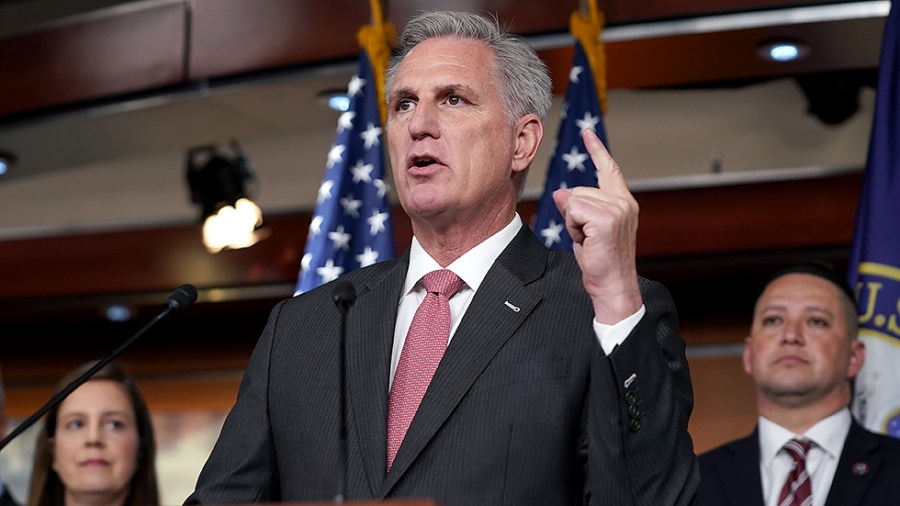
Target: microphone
[[344, 295], [182, 297], [178, 300]]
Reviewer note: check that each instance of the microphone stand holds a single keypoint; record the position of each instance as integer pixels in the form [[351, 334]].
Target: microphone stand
[[344, 295], [178, 300]]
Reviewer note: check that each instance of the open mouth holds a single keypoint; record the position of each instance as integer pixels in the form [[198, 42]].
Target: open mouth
[[423, 161]]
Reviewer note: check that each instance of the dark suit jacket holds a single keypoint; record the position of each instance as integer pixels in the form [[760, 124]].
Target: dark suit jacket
[[868, 472], [6, 499], [524, 408]]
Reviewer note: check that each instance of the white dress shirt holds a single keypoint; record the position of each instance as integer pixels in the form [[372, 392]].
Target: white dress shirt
[[472, 267], [821, 461]]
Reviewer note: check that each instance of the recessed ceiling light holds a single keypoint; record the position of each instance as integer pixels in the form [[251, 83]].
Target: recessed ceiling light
[[335, 99], [783, 51], [339, 103], [118, 313], [7, 161]]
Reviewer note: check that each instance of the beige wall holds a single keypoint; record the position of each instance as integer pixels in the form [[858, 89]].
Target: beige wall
[[724, 402]]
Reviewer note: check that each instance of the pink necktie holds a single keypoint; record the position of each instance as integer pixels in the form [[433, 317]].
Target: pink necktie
[[422, 351], [797, 490]]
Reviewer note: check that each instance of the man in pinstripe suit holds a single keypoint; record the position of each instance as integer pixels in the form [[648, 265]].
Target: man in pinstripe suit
[[563, 380]]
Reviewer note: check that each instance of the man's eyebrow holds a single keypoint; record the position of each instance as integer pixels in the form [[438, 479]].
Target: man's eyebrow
[[817, 309], [453, 88], [805, 309], [400, 93], [440, 91]]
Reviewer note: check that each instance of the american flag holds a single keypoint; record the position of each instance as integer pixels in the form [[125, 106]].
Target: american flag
[[351, 227], [571, 164]]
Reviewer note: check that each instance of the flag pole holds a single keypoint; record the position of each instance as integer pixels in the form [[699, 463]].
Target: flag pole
[[586, 26], [375, 40]]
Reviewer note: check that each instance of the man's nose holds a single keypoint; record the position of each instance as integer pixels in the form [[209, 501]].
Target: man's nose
[[793, 333], [424, 121]]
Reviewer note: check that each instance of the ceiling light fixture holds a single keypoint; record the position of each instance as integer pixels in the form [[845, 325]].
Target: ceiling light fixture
[[783, 51], [118, 313], [7, 162], [231, 220], [339, 103], [335, 99]]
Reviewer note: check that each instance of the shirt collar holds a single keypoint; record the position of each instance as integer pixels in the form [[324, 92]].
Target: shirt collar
[[828, 434], [472, 266]]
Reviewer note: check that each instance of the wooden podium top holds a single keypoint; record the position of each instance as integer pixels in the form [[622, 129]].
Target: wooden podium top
[[392, 502]]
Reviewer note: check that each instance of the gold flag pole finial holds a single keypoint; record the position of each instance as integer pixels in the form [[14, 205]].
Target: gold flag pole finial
[[586, 26], [376, 40]]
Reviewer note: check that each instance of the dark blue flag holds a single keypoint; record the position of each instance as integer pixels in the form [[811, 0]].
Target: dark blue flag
[[571, 164], [875, 261], [351, 227]]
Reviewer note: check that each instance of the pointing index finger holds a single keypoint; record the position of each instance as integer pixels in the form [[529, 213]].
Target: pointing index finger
[[609, 175]]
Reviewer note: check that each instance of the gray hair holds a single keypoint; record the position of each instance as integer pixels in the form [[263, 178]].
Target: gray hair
[[522, 77]]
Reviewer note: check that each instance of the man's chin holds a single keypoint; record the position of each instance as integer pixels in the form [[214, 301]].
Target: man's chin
[[790, 393], [424, 206]]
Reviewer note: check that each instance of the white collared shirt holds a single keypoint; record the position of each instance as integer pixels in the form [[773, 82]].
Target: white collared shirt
[[828, 435], [472, 267]]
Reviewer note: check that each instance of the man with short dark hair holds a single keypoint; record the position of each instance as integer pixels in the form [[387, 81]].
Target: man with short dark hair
[[807, 450]]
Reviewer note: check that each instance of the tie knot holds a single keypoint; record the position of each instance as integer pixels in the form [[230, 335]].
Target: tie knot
[[797, 449], [443, 282]]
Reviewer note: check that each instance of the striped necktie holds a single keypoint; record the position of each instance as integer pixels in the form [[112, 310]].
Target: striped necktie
[[797, 490]]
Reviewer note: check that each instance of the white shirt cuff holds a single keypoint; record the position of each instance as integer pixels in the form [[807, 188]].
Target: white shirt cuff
[[611, 336]]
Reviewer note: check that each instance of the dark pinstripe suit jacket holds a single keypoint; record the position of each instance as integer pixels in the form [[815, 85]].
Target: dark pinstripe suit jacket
[[524, 409], [868, 472]]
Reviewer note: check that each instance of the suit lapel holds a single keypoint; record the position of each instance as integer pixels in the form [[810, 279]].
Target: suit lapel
[[741, 477], [857, 467], [488, 323], [370, 336]]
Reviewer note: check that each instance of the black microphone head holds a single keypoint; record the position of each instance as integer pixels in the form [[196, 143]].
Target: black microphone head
[[182, 297], [343, 295]]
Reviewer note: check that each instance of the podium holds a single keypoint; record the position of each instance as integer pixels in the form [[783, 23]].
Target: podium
[[392, 502]]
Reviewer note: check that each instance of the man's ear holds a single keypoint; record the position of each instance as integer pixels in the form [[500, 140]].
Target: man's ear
[[529, 132], [745, 357], [857, 357]]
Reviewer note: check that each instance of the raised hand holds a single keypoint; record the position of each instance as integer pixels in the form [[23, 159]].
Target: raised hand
[[603, 225]]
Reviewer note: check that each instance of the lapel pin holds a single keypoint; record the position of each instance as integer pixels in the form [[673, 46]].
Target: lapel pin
[[860, 468], [630, 380], [514, 308]]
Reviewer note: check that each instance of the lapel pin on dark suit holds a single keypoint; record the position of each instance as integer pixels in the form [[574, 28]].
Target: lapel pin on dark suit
[[860, 468], [630, 380], [514, 308]]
